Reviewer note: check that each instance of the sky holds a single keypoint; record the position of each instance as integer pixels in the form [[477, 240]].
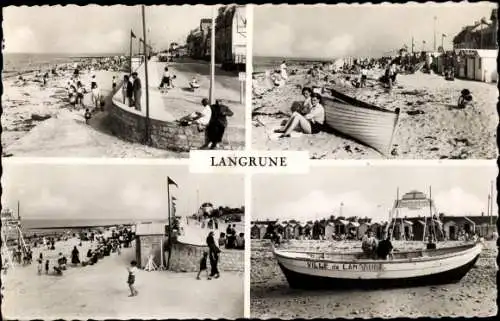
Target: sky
[[328, 31], [370, 191], [93, 29], [112, 191]]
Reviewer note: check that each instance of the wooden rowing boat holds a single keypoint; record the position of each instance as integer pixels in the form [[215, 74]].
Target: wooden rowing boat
[[368, 124], [308, 270]]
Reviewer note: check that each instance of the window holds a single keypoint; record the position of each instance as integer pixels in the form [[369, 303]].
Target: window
[[479, 64]]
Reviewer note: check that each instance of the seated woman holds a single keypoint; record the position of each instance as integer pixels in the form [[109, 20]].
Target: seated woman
[[194, 84], [311, 123], [465, 98], [305, 107]]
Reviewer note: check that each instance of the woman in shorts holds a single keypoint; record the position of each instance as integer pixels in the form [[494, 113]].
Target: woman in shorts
[[311, 123]]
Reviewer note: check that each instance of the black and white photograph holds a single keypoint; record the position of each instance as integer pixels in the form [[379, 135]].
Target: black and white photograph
[[375, 241], [397, 81], [121, 242], [123, 81]]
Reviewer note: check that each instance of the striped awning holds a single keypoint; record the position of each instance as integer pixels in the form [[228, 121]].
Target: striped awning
[[470, 221]]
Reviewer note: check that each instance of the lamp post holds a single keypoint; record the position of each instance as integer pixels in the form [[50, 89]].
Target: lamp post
[[212, 58]]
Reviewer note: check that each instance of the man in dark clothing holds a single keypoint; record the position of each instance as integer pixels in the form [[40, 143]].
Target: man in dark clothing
[[137, 91], [384, 248], [213, 253], [217, 124]]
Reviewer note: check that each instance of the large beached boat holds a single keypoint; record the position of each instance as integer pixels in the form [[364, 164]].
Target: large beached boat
[[368, 124], [308, 270]]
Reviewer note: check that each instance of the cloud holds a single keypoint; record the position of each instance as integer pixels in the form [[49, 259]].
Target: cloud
[[22, 39], [458, 202], [277, 40], [46, 202], [318, 204]]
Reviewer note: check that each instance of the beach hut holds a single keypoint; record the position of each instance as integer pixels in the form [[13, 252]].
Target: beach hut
[[486, 65], [341, 226], [297, 231], [329, 231], [362, 228], [378, 229], [255, 232], [352, 229], [149, 241]]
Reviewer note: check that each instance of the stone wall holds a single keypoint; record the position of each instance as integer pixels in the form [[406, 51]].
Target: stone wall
[[164, 135], [186, 258]]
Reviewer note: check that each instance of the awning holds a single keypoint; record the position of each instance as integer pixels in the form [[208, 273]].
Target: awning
[[343, 222], [469, 220], [355, 224], [407, 222], [421, 222]]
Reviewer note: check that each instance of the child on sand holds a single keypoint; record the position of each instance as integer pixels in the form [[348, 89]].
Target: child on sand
[[203, 266], [39, 266], [132, 270], [88, 115]]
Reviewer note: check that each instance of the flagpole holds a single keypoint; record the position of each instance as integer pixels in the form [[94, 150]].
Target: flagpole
[[435, 18], [169, 225], [147, 137], [130, 58], [212, 57]]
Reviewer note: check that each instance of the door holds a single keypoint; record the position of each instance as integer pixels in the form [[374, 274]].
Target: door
[[452, 235], [470, 68]]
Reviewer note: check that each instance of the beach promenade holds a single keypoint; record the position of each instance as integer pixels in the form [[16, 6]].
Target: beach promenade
[[100, 291], [181, 100]]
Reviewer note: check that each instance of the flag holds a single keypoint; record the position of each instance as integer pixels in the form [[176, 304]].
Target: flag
[[132, 34], [171, 182], [423, 41], [444, 35]]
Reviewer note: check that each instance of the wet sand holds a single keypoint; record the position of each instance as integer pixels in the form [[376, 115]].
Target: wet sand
[[271, 297], [100, 291], [430, 127]]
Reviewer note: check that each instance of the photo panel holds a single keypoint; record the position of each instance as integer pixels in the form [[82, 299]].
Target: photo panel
[[410, 81], [101, 241], [368, 241], [157, 82]]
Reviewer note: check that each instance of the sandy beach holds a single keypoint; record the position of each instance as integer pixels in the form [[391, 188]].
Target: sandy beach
[[65, 132], [100, 291], [429, 126], [271, 297]]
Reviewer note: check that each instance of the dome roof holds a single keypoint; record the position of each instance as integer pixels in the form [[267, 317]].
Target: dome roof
[[414, 195]]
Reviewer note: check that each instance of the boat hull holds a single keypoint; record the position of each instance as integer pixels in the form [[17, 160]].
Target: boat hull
[[369, 125], [317, 274]]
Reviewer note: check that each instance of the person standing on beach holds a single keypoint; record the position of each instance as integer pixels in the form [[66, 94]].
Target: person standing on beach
[[132, 271], [79, 94], [114, 83], [283, 70], [213, 252], [137, 91]]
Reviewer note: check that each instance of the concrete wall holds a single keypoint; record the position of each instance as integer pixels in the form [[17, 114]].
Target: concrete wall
[[186, 258]]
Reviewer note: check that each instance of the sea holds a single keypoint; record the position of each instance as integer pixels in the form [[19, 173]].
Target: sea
[[58, 224], [18, 63], [262, 63]]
